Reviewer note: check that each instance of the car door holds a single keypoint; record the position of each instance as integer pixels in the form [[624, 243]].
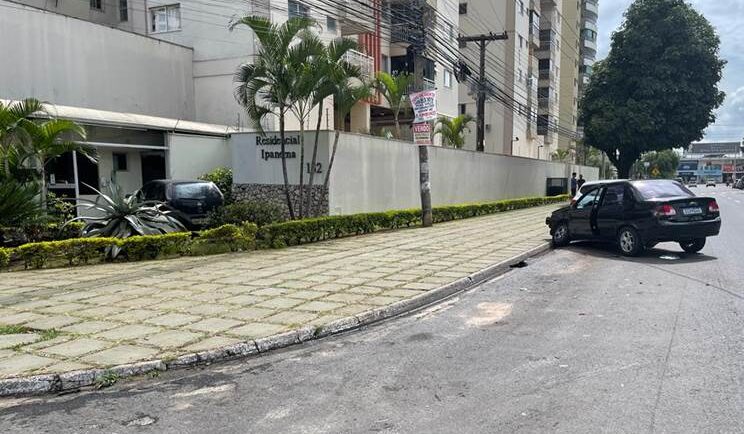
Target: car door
[[610, 212], [580, 220]]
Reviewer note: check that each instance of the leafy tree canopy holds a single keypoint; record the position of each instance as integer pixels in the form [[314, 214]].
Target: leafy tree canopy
[[658, 87]]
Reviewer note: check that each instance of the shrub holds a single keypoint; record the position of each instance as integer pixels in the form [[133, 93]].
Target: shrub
[[4, 257], [35, 255], [82, 250], [260, 213], [234, 237], [322, 228], [140, 247], [223, 179]]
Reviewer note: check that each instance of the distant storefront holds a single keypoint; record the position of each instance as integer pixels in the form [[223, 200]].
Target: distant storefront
[[721, 161]]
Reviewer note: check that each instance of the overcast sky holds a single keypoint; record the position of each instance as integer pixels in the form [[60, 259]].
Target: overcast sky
[[727, 16]]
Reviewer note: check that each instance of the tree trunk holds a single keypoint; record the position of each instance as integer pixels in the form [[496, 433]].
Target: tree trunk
[[397, 125], [324, 194], [43, 198], [284, 165], [314, 160], [302, 167]]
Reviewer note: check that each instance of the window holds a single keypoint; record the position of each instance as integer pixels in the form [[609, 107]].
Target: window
[[331, 24], [385, 60], [450, 31], [521, 7], [588, 200], [96, 4], [447, 78], [463, 8], [297, 9], [520, 75], [463, 108], [614, 195], [120, 161], [165, 18], [661, 189], [123, 11]]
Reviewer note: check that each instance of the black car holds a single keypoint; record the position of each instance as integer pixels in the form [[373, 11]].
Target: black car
[[190, 201], [638, 215]]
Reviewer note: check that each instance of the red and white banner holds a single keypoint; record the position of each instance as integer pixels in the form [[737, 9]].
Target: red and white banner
[[422, 133]]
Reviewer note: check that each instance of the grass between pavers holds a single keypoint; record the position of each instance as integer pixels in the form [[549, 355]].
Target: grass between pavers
[[13, 329]]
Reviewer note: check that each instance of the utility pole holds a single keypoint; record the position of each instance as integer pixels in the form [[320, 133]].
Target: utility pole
[[482, 41]]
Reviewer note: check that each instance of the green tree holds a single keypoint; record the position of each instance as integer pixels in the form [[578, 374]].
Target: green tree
[[50, 139], [15, 117], [453, 130], [561, 155], [334, 71], [657, 88], [394, 88], [665, 161], [266, 87]]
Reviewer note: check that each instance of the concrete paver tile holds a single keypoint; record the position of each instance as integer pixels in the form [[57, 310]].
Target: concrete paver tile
[[131, 331], [345, 297], [270, 292], [120, 355], [20, 318], [353, 309], [49, 322], [319, 306], [211, 343], [368, 290], [90, 327], [134, 315], [208, 309], [330, 287], [279, 303], [63, 308], [249, 313], [9, 341], [257, 330], [245, 299], [306, 295], [173, 320], [171, 339], [22, 363], [214, 325], [76, 347], [100, 312], [291, 317]]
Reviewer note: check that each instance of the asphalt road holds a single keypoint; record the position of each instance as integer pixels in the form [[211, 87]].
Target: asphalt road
[[580, 340]]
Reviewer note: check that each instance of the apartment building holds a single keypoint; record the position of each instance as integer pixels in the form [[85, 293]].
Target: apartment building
[[511, 70], [569, 79], [588, 41]]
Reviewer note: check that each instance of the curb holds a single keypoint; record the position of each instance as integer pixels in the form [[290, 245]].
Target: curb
[[74, 380]]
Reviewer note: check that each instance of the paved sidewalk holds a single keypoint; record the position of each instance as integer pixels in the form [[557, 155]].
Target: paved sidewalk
[[107, 315]]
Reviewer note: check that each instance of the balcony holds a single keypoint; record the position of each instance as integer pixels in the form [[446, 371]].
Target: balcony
[[350, 16], [365, 63], [590, 45], [591, 9], [426, 84]]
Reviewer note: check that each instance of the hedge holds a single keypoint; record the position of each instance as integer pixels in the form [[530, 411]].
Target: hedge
[[323, 228], [38, 232], [247, 235], [77, 251]]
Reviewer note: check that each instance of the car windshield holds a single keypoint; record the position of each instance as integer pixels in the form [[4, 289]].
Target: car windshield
[[661, 189], [195, 190]]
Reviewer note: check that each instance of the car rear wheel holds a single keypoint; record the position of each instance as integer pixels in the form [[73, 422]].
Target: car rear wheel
[[629, 241], [693, 246], [561, 237]]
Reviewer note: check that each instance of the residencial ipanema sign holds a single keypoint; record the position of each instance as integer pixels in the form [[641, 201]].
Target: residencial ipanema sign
[[276, 141]]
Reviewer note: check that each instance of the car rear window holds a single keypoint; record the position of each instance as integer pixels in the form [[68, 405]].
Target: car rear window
[[661, 189], [196, 190]]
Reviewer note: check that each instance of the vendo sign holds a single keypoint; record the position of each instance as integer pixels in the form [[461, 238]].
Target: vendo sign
[[422, 133], [424, 106]]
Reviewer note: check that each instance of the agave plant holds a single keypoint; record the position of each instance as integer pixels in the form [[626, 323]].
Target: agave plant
[[118, 216]]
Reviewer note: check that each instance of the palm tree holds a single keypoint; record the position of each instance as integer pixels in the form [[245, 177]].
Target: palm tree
[[334, 71], [307, 74], [266, 87], [14, 118], [394, 88], [453, 130], [346, 96], [50, 139], [561, 154]]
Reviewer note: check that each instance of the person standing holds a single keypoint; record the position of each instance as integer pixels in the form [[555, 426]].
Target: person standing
[[580, 182], [573, 185]]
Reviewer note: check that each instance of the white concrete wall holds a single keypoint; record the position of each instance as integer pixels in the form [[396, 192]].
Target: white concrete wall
[[373, 174], [250, 166], [191, 156], [129, 180], [69, 61]]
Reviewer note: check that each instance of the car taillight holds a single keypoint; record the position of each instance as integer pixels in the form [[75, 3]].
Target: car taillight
[[713, 207], [665, 210]]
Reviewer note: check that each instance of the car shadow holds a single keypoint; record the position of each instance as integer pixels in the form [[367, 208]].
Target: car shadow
[[658, 255]]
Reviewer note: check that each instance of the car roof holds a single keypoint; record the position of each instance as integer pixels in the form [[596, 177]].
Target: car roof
[[178, 181]]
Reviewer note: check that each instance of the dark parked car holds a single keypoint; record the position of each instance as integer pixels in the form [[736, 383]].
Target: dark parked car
[[638, 215], [190, 201]]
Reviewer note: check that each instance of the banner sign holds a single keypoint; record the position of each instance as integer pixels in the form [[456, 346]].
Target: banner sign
[[688, 166], [715, 148], [424, 106], [728, 168], [713, 171], [422, 133]]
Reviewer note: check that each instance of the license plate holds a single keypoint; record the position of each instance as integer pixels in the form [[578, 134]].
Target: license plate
[[692, 211], [199, 221]]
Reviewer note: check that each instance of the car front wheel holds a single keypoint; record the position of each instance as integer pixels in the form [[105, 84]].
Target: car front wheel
[[629, 242], [561, 237], [693, 246]]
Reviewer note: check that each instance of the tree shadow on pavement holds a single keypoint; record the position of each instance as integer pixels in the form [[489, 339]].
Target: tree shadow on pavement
[[662, 254]]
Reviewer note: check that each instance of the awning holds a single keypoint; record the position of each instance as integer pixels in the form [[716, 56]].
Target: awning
[[133, 120]]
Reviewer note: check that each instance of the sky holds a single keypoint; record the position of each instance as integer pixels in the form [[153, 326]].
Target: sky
[[727, 16]]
